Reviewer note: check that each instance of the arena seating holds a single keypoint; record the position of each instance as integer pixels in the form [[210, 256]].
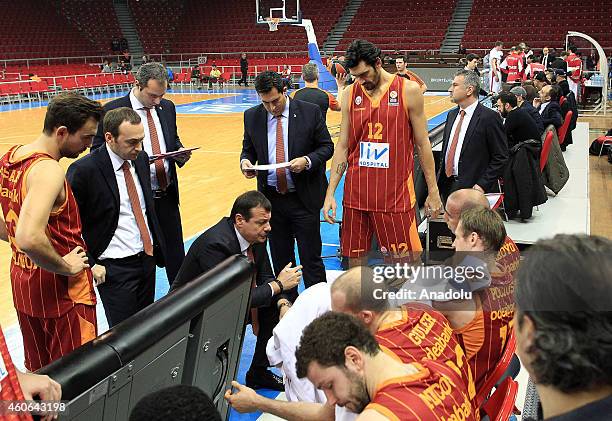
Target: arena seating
[[418, 25], [95, 19], [46, 34], [538, 24], [157, 23], [202, 28]]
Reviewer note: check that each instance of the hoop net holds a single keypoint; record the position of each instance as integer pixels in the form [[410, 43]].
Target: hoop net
[[273, 23]]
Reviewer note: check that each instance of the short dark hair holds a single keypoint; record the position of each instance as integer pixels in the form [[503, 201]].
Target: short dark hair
[[265, 81], [114, 118], [361, 49], [531, 92], [487, 224], [403, 57], [499, 44], [325, 339], [471, 57], [573, 49], [541, 77], [71, 110], [507, 98], [180, 402], [150, 71], [555, 92], [564, 286], [247, 201]]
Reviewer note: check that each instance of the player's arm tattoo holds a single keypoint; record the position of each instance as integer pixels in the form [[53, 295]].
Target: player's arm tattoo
[[341, 167]]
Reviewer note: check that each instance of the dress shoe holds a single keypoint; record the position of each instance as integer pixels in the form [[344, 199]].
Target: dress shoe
[[264, 379]]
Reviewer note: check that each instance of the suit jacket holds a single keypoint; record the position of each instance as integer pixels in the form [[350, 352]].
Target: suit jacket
[[534, 114], [217, 244], [308, 136], [552, 114], [484, 151], [95, 188], [167, 118]]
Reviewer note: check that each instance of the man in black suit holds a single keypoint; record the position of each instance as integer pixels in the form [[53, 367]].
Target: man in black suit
[[559, 62], [519, 125], [474, 150], [159, 119], [282, 130], [521, 95], [112, 187], [245, 232], [548, 107]]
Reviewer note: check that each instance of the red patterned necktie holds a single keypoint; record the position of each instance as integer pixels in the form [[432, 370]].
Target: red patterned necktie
[[160, 171], [450, 160], [136, 209], [281, 175]]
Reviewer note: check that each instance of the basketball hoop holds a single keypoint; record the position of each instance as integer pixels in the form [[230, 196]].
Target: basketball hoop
[[273, 23]]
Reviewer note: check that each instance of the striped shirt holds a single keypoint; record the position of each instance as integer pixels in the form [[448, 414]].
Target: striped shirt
[[424, 333], [37, 292], [380, 151], [434, 393]]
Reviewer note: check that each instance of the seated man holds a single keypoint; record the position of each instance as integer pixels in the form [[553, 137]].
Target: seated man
[[245, 232], [195, 76], [563, 325], [521, 100], [215, 76], [341, 357], [410, 334], [483, 321], [518, 125], [548, 107]]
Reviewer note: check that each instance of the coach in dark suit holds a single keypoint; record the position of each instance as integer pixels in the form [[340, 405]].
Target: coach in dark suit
[[159, 119], [474, 150], [548, 107], [283, 130], [245, 232], [112, 186]]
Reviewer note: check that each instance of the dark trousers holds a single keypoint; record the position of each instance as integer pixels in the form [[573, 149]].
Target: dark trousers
[[170, 220], [129, 286], [268, 318], [243, 79], [292, 222]]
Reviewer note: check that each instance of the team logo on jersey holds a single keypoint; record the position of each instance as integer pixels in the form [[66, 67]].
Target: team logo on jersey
[[393, 99], [358, 100], [374, 155]]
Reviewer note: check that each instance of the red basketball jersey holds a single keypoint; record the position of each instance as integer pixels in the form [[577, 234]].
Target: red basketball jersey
[[37, 292], [380, 151], [10, 390], [514, 68], [507, 261], [434, 393], [574, 61], [424, 333], [497, 304]]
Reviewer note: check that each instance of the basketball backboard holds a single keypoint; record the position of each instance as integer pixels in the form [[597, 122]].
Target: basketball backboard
[[286, 11]]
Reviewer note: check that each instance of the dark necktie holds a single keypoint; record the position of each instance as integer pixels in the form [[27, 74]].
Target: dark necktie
[[281, 175], [254, 314]]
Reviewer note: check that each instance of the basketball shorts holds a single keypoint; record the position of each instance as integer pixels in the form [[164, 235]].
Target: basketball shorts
[[396, 233], [46, 340]]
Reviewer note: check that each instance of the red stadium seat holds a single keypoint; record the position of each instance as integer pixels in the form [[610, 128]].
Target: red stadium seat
[[546, 150], [498, 372], [564, 127], [562, 100], [500, 406]]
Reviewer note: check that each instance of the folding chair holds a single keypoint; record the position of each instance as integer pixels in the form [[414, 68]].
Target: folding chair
[[500, 406]]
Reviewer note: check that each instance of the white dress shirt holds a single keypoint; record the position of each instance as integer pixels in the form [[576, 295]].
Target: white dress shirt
[[126, 240], [146, 144], [244, 245], [543, 106], [272, 121], [469, 112]]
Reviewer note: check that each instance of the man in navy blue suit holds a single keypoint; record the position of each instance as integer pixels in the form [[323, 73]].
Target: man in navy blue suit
[[159, 119]]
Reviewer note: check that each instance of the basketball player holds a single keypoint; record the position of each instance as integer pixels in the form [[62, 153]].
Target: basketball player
[[495, 59], [383, 119], [402, 70], [16, 386], [51, 280], [512, 65], [484, 322]]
